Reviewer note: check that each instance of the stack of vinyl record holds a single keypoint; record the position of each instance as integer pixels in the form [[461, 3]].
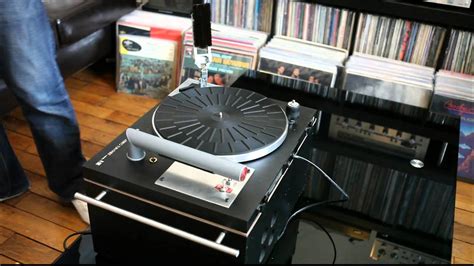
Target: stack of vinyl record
[[399, 39], [248, 14], [389, 79], [390, 196], [454, 93], [149, 50], [317, 23], [302, 61], [234, 51], [459, 54]]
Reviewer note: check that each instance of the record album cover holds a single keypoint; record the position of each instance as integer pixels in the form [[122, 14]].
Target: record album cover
[[226, 66], [310, 75], [465, 110], [146, 66], [466, 145]]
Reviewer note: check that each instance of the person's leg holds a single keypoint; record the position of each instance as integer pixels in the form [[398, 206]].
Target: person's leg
[[28, 66], [13, 180]]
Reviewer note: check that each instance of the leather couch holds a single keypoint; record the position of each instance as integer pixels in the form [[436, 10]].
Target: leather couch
[[85, 33]]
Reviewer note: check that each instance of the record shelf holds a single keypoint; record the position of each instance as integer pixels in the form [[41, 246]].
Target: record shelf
[[419, 125], [441, 15], [430, 171], [327, 217], [445, 16]]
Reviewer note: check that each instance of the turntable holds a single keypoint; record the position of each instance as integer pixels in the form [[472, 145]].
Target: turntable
[[128, 199], [206, 176]]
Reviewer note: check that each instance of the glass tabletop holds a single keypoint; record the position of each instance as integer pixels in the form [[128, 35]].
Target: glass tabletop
[[397, 163]]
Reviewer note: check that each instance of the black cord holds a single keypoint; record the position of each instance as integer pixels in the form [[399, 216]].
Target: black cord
[[296, 213], [327, 233], [310, 206], [86, 232], [324, 174]]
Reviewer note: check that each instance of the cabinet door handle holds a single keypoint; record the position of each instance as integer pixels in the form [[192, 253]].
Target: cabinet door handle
[[169, 229]]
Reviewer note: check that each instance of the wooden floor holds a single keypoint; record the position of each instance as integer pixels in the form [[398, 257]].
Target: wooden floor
[[33, 226], [463, 243]]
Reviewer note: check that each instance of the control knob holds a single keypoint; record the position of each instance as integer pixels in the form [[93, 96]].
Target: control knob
[[292, 112]]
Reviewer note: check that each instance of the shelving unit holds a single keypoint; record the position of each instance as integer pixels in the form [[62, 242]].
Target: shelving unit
[[419, 126], [430, 171], [449, 17], [347, 220]]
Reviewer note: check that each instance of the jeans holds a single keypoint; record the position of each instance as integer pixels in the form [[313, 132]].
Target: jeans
[[28, 67]]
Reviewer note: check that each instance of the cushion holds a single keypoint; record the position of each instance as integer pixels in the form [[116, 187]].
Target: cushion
[[75, 19]]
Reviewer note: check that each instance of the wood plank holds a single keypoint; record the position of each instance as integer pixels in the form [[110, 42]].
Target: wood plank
[[19, 141], [5, 234], [95, 136], [130, 104], [464, 233], [32, 150], [131, 99], [464, 217], [90, 109], [39, 186], [28, 251], [30, 162], [33, 227], [5, 260], [17, 125], [104, 91], [51, 211], [90, 149], [84, 118], [463, 250], [461, 261], [15, 200], [93, 122], [465, 196], [91, 98], [74, 83], [122, 118], [101, 75]]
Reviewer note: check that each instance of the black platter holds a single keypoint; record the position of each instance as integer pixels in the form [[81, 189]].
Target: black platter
[[233, 123]]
